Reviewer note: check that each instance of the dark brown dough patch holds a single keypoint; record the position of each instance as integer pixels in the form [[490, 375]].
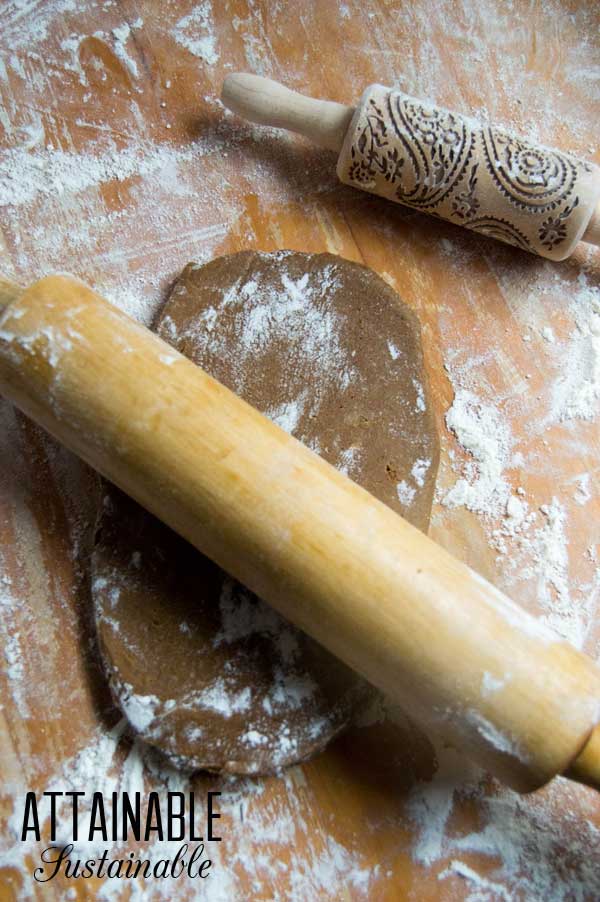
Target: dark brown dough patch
[[202, 668]]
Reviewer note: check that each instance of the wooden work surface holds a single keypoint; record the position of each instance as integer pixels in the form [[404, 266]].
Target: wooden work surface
[[118, 164]]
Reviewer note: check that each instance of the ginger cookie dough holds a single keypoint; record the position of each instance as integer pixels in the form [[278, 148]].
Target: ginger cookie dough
[[203, 669]]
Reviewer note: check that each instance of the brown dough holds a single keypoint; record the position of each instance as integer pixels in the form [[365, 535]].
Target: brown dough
[[203, 669]]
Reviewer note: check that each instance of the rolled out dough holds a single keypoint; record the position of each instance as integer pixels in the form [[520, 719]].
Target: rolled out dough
[[202, 668]]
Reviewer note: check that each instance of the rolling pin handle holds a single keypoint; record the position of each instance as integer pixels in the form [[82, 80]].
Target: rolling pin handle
[[586, 767], [267, 102], [9, 292]]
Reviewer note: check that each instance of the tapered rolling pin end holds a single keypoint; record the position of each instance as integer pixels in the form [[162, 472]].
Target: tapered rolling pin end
[[9, 292], [267, 102], [586, 767], [251, 96]]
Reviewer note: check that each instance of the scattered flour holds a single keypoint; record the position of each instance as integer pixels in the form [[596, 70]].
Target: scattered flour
[[292, 312], [26, 24], [406, 493], [484, 434], [520, 838], [533, 543], [394, 352], [141, 710], [218, 698], [419, 470], [548, 334], [121, 35], [420, 404], [576, 394], [582, 493], [491, 684], [349, 459], [288, 415], [492, 735], [196, 33], [486, 889], [26, 173]]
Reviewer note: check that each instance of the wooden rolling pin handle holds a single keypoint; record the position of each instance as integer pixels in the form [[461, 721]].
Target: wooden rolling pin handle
[[9, 292], [439, 162], [267, 102], [383, 597], [586, 766]]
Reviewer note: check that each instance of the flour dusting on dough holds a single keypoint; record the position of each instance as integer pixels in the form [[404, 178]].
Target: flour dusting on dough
[[291, 314]]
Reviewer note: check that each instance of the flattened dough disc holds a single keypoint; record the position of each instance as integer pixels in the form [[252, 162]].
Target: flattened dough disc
[[202, 668]]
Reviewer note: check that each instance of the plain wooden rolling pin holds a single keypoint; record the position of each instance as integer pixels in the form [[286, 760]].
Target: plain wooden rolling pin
[[375, 591], [439, 162]]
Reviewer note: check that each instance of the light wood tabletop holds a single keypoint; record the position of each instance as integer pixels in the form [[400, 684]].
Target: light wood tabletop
[[119, 164]]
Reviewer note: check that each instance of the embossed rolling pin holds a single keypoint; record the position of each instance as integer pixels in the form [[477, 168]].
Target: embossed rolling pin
[[440, 162], [375, 591]]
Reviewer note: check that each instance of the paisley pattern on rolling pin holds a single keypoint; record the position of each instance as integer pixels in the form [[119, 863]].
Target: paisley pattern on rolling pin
[[482, 178]]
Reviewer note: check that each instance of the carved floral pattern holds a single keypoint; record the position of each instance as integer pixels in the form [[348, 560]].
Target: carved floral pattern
[[443, 163], [465, 204], [372, 153], [437, 145], [531, 177], [553, 230]]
